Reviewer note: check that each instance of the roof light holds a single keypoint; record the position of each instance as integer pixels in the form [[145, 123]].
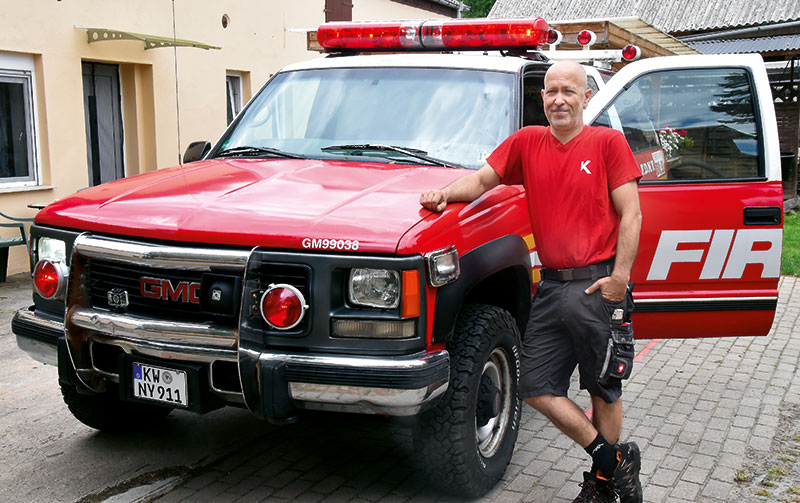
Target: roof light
[[631, 53], [437, 34], [586, 38], [554, 37]]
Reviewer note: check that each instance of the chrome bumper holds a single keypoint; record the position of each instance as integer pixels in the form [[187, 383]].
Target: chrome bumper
[[37, 336], [393, 385]]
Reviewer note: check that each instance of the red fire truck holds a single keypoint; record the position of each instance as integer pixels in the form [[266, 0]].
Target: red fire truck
[[289, 266]]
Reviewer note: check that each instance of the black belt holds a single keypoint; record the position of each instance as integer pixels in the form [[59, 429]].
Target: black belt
[[594, 271]]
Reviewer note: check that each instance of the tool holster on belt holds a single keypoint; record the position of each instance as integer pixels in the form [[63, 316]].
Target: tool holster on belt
[[618, 362]]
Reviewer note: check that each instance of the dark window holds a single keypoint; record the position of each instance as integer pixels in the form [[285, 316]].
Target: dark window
[[338, 10], [690, 124], [17, 159]]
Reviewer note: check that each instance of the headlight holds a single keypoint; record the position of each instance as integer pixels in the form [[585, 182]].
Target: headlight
[[443, 266], [374, 288], [51, 249]]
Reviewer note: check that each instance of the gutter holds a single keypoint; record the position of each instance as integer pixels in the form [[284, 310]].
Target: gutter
[[738, 31]]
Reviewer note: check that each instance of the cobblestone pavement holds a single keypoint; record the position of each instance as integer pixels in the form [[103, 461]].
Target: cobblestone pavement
[[701, 410]]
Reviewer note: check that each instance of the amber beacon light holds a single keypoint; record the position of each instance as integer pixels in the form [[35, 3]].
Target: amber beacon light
[[434, 35]]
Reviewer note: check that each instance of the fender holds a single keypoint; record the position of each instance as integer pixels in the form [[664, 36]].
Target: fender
[[510, 257]]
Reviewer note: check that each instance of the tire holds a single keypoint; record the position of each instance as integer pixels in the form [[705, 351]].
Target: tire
[[459, 453], [107, 413]]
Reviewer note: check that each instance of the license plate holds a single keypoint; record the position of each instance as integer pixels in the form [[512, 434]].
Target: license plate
[[160, 384]]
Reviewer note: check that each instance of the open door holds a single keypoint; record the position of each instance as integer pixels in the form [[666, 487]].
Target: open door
[[704, 133]]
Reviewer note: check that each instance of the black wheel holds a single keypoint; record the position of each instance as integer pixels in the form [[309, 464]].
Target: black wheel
[[106, 412], [467, 440]]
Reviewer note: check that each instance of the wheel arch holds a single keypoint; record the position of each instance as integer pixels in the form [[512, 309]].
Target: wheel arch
[[497, 273]]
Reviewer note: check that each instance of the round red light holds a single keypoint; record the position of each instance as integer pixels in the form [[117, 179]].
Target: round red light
[[47, 279], [282, 306], [631, 53], [553, 37], [586, 37]]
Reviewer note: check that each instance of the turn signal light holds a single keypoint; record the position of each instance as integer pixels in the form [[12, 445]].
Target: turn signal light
[[49, 278], [436, 34], [282, 306]]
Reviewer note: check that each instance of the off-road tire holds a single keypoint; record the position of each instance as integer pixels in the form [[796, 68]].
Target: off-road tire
[[460, 457], [107, 413]]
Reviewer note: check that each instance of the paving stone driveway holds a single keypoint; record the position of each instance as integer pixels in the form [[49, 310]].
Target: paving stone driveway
[[701, 410]]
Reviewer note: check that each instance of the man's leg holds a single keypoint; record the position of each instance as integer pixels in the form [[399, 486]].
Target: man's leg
[[566, 416], [607, 418]]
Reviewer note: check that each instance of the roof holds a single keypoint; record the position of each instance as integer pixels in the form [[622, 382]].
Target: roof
[[670, 16], [468, 61], [783, 43]]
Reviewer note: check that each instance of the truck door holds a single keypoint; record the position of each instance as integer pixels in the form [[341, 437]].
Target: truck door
[[703, 131]]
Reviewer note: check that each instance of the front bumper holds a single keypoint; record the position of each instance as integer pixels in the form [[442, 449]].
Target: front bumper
[[394, 385]]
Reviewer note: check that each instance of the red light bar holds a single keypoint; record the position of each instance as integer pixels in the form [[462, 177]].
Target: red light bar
[[433, 35]]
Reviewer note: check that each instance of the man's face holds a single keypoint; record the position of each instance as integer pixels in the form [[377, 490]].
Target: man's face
[[565, 95]]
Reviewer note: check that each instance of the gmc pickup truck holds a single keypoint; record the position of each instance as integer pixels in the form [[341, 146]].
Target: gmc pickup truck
[[290, 266]]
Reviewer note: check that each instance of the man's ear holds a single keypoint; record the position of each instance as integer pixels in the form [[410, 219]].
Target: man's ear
[[587, 97]]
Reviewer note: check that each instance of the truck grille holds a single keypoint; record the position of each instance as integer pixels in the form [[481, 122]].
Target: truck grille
[[105, 276]]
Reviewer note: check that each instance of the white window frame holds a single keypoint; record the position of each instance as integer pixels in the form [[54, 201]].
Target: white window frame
[[20, 68], [233, 94]]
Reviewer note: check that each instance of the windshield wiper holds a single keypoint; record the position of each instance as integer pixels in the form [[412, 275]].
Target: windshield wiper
[[410, 152], [255, 151]]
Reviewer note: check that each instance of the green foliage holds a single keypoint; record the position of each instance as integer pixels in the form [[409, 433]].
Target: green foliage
[[478, 8], [791, 245]]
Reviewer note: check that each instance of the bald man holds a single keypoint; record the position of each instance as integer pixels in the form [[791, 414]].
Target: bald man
[[581, 184]]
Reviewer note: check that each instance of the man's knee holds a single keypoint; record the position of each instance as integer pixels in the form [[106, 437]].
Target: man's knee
[[542, 403]]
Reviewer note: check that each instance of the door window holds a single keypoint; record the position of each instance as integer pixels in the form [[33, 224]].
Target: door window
[[690, 124]]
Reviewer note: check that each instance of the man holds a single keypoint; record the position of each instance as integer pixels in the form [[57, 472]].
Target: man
[[582, 191]]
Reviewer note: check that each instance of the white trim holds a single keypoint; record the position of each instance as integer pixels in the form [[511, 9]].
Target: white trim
[[21, 65]]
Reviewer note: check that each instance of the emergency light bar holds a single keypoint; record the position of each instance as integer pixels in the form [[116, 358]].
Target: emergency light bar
[[434, 35]]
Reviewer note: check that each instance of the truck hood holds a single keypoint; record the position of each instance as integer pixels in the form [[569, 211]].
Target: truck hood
[[258, 202]]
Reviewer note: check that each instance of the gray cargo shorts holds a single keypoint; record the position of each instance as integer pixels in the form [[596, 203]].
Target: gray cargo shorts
[[568, 328]]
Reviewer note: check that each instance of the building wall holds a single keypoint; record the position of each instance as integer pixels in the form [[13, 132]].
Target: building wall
[[261, 37]]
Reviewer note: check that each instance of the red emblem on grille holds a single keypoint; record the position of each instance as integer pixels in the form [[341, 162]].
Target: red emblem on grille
[[160, 288]]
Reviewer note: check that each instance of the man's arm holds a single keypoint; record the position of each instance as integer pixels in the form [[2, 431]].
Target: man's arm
[[626, 201], [465, 189]]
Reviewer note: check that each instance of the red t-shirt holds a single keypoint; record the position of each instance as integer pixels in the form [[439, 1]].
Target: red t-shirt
[[568, 190]]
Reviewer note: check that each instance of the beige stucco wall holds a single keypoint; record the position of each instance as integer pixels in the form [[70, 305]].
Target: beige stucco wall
[[261, 37]]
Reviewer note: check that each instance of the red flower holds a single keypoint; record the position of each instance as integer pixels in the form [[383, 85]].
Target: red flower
[[682, 132]]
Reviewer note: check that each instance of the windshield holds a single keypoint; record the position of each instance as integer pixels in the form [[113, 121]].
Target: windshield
[[458, 116]]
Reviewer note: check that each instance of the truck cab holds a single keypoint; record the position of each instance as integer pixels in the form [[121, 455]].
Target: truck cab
[[289, 266]]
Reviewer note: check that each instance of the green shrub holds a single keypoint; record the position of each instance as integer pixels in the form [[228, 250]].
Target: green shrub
[[791, 245]]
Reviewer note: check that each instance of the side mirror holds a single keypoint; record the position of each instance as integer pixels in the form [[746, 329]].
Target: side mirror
[[196, 151]]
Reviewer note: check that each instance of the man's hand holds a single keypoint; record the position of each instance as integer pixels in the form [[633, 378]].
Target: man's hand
[[434, 200], [612, 288]]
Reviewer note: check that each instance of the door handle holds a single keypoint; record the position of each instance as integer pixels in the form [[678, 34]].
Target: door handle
[[762, 215]]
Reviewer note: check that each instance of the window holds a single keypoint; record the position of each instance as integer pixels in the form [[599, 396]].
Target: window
[[18, 155], [690, 124], [234, 95]]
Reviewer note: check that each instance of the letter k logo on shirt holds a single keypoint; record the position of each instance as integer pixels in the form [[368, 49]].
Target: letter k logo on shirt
[[585, 167]]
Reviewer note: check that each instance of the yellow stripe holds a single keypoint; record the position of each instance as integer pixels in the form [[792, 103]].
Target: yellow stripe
[[529, 241], [536, 275]]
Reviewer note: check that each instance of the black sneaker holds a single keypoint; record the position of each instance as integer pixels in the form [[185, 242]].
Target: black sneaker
[[594, 490], [626, 476]]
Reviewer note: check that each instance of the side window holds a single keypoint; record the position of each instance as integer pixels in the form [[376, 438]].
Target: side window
[[532, 106], [689, 124], [18, 156]]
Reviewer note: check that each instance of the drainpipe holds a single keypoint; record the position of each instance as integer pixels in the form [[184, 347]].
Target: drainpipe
[[739, 31]]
